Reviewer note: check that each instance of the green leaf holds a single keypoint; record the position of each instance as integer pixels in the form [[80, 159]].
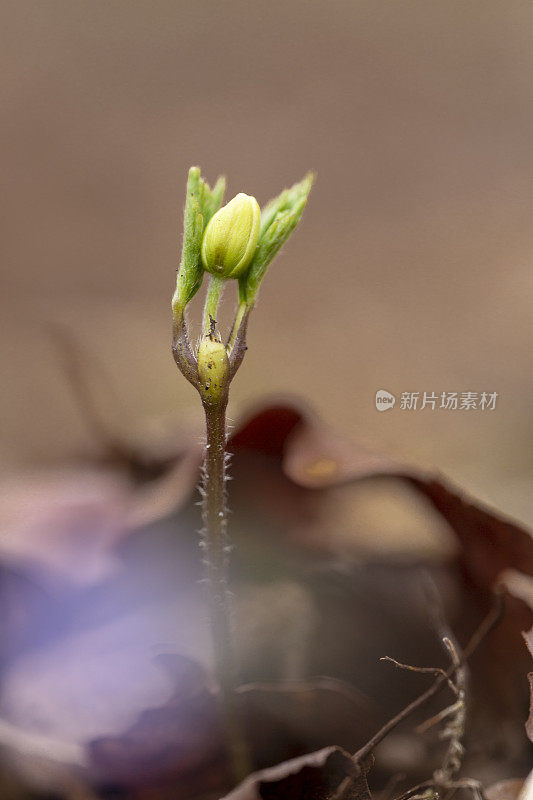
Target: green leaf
[[278, 220], [200, 205]]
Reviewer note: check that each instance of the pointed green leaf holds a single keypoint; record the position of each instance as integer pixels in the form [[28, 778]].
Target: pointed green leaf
[[278, 220], [200, 205]]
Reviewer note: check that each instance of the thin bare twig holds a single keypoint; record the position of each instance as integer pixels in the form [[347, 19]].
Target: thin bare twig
[[455, 728], [425, 670], [490, 622], [444, 778], [432, 721]]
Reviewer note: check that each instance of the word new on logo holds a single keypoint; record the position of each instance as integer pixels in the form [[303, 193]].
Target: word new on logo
[[384, 400]]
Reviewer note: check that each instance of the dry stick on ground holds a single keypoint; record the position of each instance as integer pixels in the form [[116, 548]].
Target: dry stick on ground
[[346, 790], [455, 727], [492, 619], [443, 778], [455, 714]]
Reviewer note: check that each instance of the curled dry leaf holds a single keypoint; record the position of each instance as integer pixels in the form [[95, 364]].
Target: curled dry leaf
[[177, 744], [315, 775], [528, 636], [529, 722], [521, 586], [313, 457], [63, 528]]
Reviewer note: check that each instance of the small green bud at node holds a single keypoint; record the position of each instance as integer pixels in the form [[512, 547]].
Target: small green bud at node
[[213, 368], [231, 237]]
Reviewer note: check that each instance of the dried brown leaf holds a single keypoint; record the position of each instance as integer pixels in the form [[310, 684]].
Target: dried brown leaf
[[528, 636], [315, 775]]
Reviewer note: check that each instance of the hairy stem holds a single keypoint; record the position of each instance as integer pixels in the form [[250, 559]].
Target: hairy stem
[[237, 343], [216, 548], [212, 299], [241, 311]]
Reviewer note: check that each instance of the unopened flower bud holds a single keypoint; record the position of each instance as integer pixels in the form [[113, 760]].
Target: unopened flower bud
[[213, 368], [231, 237]]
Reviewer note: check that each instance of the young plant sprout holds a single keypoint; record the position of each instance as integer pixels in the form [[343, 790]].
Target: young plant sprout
[[234, 243]]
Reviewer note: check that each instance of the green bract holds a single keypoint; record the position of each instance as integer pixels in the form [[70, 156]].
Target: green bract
[[278, 220], [231, 237], [200, 205]]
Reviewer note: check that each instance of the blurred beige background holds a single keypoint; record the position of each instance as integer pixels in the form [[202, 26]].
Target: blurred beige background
[[411, 270]]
